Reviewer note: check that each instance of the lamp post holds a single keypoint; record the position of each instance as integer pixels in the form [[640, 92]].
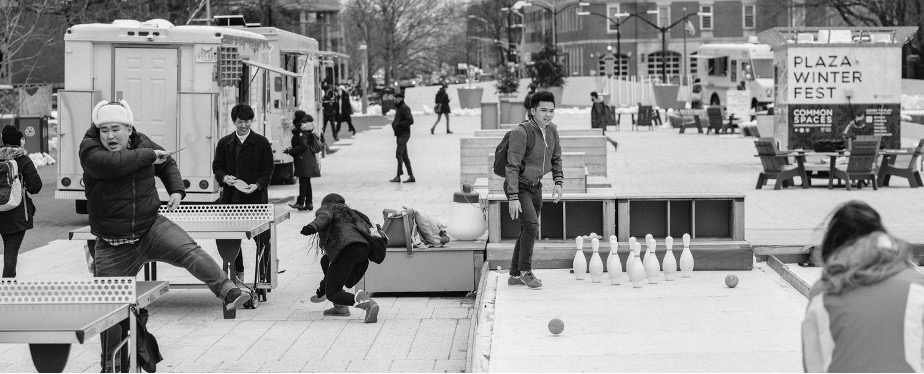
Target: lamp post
[[663, 30], [486, 23], [549, 8], [617, 22], [362, 81], [516, 56]]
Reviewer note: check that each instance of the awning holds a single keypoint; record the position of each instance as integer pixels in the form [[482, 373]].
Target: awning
[[708, 56], [270, 68]]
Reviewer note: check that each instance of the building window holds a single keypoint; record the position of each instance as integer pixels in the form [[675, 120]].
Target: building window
[[611, 10], [694, 62], [664, 16], [748, 14], [610, 64], [705, 18], [672, 61]]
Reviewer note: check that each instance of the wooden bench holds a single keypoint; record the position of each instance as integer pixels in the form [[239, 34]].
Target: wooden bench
[[474, 162], [458, 263], [691, 117]]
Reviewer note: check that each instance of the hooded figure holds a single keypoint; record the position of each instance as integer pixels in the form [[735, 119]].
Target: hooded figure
[[15, 222]]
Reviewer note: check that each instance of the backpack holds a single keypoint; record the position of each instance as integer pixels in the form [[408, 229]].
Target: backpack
[[500, 154], [11, 190]]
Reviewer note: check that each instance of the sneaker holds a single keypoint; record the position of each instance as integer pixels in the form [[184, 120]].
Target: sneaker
[[514, 281], [530, 280], [338, 311], [366, 303], [236, 298]]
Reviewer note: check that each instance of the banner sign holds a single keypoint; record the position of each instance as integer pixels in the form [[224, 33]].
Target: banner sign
[[841, 75], [810, 123]]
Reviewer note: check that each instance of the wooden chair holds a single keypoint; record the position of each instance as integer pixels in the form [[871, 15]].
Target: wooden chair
[[861, 164], [646, 117], [714, 116], [690, 117], [776, 165], [910, 171]]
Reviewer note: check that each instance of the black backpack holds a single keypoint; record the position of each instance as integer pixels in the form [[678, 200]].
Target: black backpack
[[500, 154]]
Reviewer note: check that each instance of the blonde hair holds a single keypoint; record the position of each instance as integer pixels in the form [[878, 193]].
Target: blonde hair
[[865, 261]]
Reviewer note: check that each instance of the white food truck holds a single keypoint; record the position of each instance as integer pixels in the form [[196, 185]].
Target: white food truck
[[182, 82], [725, 67]]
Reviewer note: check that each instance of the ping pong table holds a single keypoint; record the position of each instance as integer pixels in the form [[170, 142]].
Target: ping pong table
[[52, 315], [222, 221]]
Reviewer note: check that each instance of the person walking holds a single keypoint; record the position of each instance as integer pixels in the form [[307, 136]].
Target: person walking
[[119, 167], [866, 313], [525, 167], [441, 108], [601, 116], [527, 101], [15, 222], [304, 150], [346, 256], [346, 110], [402, 127], [243, 167], [330, 105]]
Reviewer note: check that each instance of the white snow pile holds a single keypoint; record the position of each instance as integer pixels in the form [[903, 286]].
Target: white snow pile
[[912, 102], [42, 159], [371, 110]]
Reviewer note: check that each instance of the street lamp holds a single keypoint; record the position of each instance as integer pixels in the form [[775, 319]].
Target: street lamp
[[480, 62], [664, 31], [617, 22], [549, 8]]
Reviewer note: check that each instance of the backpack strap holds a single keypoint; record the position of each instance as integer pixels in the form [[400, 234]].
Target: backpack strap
[[530, 138]]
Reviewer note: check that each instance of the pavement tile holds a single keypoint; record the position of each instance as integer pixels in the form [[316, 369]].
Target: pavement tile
[[433, 339], [326, 366], [451, 312], [277, 340], [449, 366], [413, 312], [241, 364], [368, 366], [288, 366], [460, 339], [394, 340], [188, 366], [412, 366], [354, 340], [238, 340], [315, 341], [272, 314]]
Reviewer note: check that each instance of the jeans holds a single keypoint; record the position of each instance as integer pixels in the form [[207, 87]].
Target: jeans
[[11, 244], [401, 154], [164, 242], [349, 267], [531, 203], [304, 191]]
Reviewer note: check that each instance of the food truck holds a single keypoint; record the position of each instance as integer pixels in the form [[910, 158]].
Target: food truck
[[182, 82], [731, 67], [835, 83]]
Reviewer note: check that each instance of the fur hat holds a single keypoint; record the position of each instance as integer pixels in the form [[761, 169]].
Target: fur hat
[[113, 112], [12, 136]]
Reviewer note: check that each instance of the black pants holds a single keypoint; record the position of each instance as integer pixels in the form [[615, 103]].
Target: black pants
[[349, 122], [332, 119], [11, 244], [531, 203], [304, 191], [345, 271], [401, 155]]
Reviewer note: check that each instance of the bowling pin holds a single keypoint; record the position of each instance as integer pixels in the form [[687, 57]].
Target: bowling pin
[[596, 263], [652, 267], [686, 258], [613, 265], [669, 264], [580, 262], [637, 271], [631, 258]]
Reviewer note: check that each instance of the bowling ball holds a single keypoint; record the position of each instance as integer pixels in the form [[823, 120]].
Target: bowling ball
[[731, 280], [556, 326]]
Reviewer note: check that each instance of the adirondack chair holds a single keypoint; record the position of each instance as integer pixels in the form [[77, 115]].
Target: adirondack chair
[[861, 164], [910, 171], [776, 165], [646, 117], [690, 117], [714, 116]]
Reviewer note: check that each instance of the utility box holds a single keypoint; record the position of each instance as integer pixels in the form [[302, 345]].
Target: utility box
[[835, 83], [35, 130]]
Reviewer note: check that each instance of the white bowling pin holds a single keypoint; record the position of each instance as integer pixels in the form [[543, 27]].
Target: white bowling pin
[[637, 271], [649, 243], [580, 262], [596, 263], [686, 258], [652, 267], [613, 264], [631, 258], [669, 264]]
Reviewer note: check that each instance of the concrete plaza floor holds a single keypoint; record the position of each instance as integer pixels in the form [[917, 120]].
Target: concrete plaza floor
[[431, 334]]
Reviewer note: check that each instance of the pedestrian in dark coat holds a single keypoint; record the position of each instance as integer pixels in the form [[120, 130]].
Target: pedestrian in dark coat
[[243, 167], [441, 108], [305, 146], [402, 127], [15, 222], [346, 109], [331, 105], [346, 256], [600, 114]]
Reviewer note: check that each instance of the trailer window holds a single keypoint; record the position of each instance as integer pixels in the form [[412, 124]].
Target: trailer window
[[229, 66], [763, 68], [718, 66]]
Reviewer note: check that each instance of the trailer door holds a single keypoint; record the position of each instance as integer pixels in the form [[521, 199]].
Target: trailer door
[[147, 79]]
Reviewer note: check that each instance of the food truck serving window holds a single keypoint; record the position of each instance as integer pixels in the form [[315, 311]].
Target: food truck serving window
[[718, 66]]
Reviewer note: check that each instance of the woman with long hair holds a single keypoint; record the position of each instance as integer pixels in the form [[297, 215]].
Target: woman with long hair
[[866, 313], [441, 108], [305, 146], [346, 256]]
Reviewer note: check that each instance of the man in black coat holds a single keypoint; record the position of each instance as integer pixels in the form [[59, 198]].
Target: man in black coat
[[243, 167], [402, 126], [331, 105]]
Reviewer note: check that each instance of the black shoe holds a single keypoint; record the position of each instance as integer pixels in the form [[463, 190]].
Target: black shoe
[[396, 180], [354, 132], [297, 206], [336, 139], [235, 298], [448, 132], [431, 130], [309, 207], [331, 151], [614, 143], [410, 180]]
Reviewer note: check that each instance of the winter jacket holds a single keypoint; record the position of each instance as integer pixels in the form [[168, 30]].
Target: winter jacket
[[330, 104], [251, 161], [544, 156], [403, 119], [121, 195], [600, 116], [335, 233], [305, 161], [442, 98], [346, 109], [16, 220]]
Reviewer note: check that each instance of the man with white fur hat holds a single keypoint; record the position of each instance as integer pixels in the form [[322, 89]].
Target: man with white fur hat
[[119, 166]]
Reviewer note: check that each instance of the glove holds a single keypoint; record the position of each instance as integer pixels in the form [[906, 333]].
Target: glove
[[309, 230]]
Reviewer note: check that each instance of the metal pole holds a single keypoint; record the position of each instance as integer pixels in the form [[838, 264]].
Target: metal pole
[[509, 37], [208, 12], [364, 78], [663, 55], [619, 49], [684, 79]]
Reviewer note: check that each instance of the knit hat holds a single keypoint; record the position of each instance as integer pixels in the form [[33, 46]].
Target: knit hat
[[12, 136], [113, 112]]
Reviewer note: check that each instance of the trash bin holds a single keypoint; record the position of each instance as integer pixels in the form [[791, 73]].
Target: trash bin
[[35, 129], [388, 100]]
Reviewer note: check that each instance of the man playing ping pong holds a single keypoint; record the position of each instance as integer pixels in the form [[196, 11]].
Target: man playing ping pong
[[119, 166]]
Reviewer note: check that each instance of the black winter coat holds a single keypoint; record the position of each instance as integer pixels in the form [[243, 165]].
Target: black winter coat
[[334, 232], [251, 161], [304, 160], [442, 98], [15, 220], [403, 119], [121, 195], [346, 109]]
